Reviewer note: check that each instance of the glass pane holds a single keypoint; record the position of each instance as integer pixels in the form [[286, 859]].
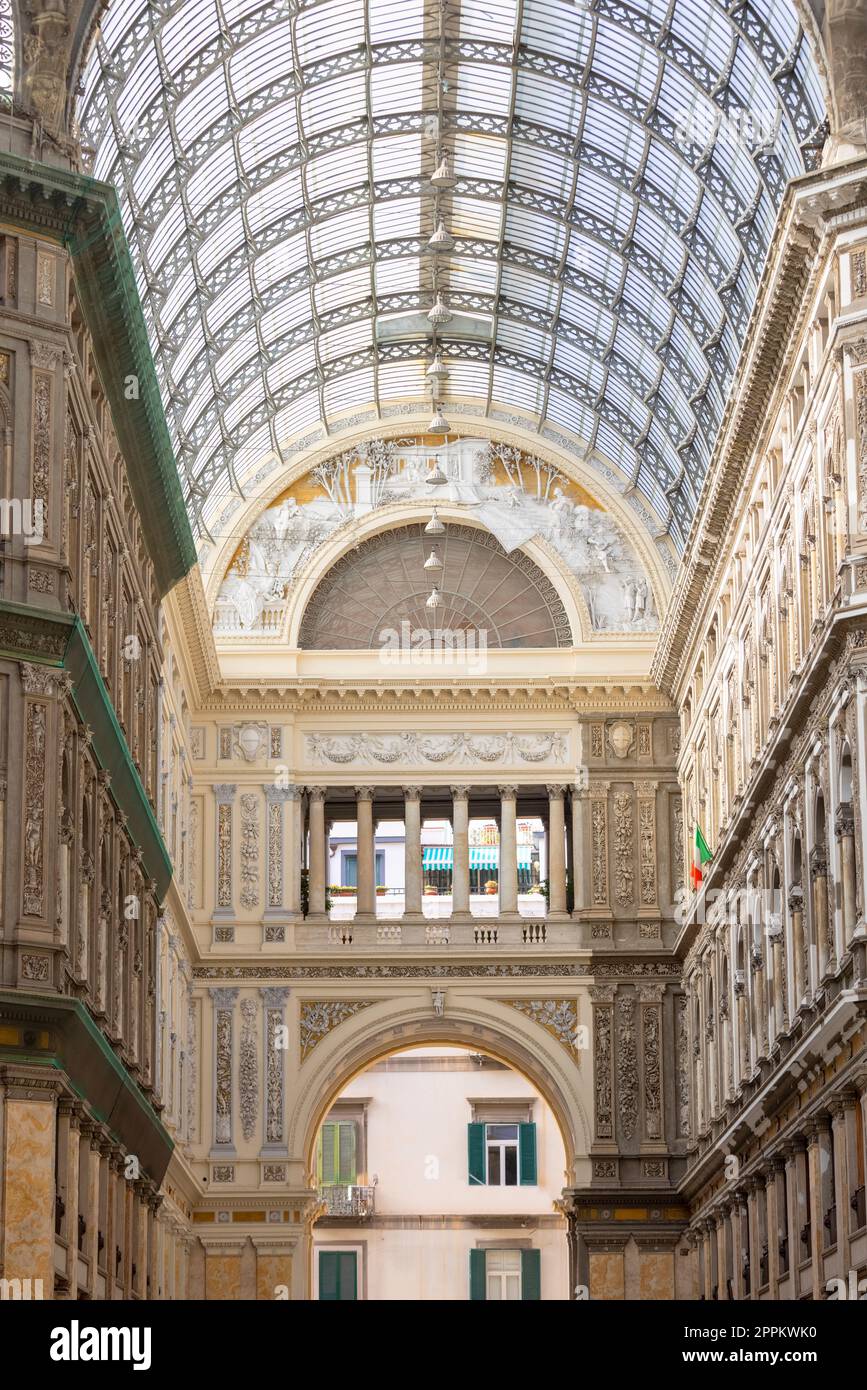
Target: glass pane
[[494, 1178], [494, 1288], [511, 1179], [502, 1131], [513, 1288]]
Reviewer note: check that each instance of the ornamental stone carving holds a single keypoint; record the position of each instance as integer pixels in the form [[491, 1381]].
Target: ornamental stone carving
[[603, 1060], [621, 737], [36, 718], [682, 1044], [651, 1015], [647, 842], [559, 1017], [274, 1001], [318, 1018], [250, 850], [248, 1069], [412, 749], [599, 845], [224, 1007], [225, 794], [627, 1066], [623, 836]]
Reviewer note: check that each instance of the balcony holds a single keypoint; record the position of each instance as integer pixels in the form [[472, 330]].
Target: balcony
[[347, 1201]]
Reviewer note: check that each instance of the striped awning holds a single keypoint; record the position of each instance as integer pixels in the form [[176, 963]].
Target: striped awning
[[483, 856], [436, 857]]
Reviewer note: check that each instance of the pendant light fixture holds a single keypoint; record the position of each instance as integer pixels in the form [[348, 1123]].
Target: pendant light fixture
[[437, 371], [442, 176], [434, 526], [440, 241], [438, 425], [433, 561], [439, 313]]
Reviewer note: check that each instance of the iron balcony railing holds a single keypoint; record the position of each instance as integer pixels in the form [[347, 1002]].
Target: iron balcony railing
[[344, 1200]]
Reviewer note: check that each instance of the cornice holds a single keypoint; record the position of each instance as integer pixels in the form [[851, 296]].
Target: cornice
[[187, 602], [372, 697]]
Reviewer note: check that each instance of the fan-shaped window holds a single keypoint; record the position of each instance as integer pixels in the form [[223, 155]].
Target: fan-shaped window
[[376, 595]]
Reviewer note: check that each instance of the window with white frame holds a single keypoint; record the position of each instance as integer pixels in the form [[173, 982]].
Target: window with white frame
[[503, 1275], [501, 1155]]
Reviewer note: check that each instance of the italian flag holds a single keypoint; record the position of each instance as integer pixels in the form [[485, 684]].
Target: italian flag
[[701, 855]]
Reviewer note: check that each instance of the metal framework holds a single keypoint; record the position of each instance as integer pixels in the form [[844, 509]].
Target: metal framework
[[611, 211]]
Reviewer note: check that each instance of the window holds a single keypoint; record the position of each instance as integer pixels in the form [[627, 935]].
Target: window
[[349, 866], [503, 1274], [336, 1156], [498, 1274], [502, 1154], [501, 1145], [338, 1276]]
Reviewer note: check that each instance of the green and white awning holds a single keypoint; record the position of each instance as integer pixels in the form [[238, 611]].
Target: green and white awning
[[436, 857], [481, 856]]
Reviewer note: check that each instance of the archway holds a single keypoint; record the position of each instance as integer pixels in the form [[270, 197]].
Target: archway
[[466, 1029]]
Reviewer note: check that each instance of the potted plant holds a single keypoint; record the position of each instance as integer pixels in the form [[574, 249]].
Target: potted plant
[[430, 891], [491, 885]]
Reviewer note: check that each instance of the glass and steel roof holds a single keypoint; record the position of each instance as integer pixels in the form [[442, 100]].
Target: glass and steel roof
[[614, 172]]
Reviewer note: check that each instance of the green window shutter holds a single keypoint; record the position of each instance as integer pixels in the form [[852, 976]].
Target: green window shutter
[[478, 1273], [476, 1152], [327, 1169], [531, 1275], [346, 1152], [527, 1154], [338, 1276]]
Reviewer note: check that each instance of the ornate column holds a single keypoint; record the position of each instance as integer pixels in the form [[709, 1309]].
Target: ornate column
[[461, 852], [153, 1236], [412, 857], [772, 1170], [796, 909], [743, 1027], [579, 821], [316, 875], [819, 879], [844, 826], [274, 1004], [280, 869], [740, 1255], [28, 1098], [819, 1163], [556, 855], [68, 1161], [777, 940], [752, 1187], [366, 848], [508, 874], [89, 1226], [843, 1114], [224, 1009], [757, 960]]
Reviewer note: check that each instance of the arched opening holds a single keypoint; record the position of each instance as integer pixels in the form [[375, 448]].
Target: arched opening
[[514, 1070], [437, 1168]]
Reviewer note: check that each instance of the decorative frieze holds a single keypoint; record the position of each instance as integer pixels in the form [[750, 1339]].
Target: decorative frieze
[[276, 798], [43, 387], [319, 1016], [409, 749]]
